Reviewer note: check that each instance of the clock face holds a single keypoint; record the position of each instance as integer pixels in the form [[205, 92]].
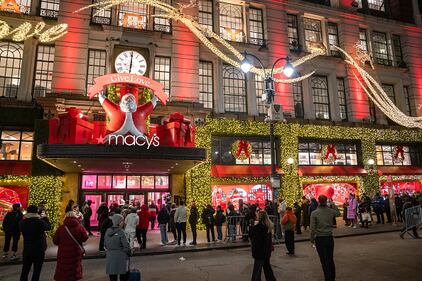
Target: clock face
[[130, 62]]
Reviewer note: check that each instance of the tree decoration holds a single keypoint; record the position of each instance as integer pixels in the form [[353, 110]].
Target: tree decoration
[[241, 149], [398, 154], [329, 154]]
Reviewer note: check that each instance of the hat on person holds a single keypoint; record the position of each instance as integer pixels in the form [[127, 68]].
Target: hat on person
[[32, 209], [116, 219]]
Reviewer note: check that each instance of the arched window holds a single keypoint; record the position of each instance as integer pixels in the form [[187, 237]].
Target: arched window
[[10, 68], [231, 22], [234, 89], [320, 97]]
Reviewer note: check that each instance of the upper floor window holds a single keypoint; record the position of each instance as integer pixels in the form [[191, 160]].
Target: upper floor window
[[256, 26], [206, 84], [408, 108], [313, 32], [43, 70], [363, 39], [231, 22], [133, 15], [162, 66], [103, 17], [205, 14], [381, 53], [342, 102], [389, 90], [16, 6], [372, 111], [320, 97], [234, 89], [96, 65], [259, 88], [50, 8], [397, 51], [10, 68], [378, 5], [333, 39], [298, 99], [16, 145], [293, 33], [221, 151], [397, 155], [313, 153], [160, 23]]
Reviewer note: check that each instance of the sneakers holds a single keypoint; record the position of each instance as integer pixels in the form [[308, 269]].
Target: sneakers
[[354, 226], [4, 255], [191, 243]]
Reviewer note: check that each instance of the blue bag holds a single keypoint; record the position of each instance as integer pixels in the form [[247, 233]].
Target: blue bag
[[134, 275]]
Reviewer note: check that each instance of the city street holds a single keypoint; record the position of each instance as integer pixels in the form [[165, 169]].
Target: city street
[[371, 257]]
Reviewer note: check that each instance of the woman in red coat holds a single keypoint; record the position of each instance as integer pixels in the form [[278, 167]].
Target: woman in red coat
[[142, 228], [69, 254]]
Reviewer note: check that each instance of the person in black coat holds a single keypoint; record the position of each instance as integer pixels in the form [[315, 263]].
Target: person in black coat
[[261, 238], [163, 219], [220, 218], [208, 221], [11, 230], [107, 223], [193, 220], [298, 213], [33, 229], [87, 213], [306, 216]]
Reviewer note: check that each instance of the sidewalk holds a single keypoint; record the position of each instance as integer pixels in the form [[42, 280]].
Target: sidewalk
[[154, 248]]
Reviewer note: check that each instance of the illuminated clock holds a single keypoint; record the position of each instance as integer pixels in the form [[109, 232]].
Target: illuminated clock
[[130, 62]]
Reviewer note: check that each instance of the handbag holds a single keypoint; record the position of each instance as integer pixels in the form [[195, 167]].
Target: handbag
[[77, 243]]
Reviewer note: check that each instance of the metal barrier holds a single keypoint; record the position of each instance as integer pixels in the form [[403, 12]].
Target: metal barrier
[[412, 220], [239, 226]]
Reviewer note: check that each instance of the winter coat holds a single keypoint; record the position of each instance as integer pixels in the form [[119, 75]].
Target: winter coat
[[351, 209], [153, 210], [11, 221], [131, 222], [69, 254], [306, 215], [231, 213], [181, 214], [106, 225], [171, 220], [289, 220], [33, 230], [220, 218], [261, 242], [102, 214], [193, 216], [144, 218], [87, 212], [163, 216], [118, 251], [208, 216]]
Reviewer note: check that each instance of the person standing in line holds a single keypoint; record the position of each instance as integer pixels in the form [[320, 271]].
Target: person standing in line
[[103, 228], [102, 213], [220, 218], [11, 230], [131, 222], [69, 238], [118, 250], [313, 206], [345, 206], [387, 208], [208, 221], [78, 214], [351, 210], [87, 213], [399, 207], [231, 222], [163, 218], [378, 203], [180, 218], [142, 228], [33, 229], [172, 223], [322, 236], [243, 212], [289, 221], [305, 211], [69, 206], [193, 221], [153, 210], [297, 210], [281, 210], [262, 246]]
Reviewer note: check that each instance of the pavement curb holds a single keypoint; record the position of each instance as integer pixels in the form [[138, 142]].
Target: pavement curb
[[205, 247]]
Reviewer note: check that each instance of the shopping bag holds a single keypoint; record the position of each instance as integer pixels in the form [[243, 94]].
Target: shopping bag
[[134, 275]]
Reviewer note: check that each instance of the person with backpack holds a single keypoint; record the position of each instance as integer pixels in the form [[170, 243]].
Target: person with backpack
[[220, 219], [11, 230], [208, 221], [33, 229], [163, 218], [289, 221], [193, 221], [118, 250]]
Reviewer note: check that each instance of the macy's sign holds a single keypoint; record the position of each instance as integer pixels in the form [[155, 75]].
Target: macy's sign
[[130, 140]]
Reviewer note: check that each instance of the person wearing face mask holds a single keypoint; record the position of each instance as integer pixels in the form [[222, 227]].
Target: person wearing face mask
[[117, 250]]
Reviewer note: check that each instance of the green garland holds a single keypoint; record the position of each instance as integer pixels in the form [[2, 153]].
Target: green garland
[[199, 180], [41, 188]]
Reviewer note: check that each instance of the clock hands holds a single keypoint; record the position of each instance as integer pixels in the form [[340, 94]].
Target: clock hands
[[131, 58]]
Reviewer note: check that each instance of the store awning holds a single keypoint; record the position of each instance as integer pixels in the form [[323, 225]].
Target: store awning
[[88, 158], [238, 171], [313, 171], [399, 170]]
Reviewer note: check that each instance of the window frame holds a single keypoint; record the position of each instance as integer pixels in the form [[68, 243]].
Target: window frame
[[206, 13], [407, 100], [259, 25], [233, 21], [364, 41], [320, 144], [397, 50], [293, 33], [95, 75], [379, 56], [102, 19], [230, 107], [210, 83], [333, 37], [47, 12], [163, 81], [18, 48], [314, 96], [42, 71], [132, 11], [259, 90], [342, 98], [166, 25], [308, 31], [21, 132], [298, 85], [383, 149]]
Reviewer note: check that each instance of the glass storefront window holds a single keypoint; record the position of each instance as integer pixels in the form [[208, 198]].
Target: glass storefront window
[[147, 182], [16, 145], [104, 182], [119, 182], [133, 182], [89, 181], [161, 182], [386, 155], [310, 153]]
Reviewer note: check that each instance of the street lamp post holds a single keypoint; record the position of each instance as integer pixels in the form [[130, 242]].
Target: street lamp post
[[268, 98]]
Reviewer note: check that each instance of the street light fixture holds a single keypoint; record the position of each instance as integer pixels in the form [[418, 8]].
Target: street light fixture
[[268, 98]]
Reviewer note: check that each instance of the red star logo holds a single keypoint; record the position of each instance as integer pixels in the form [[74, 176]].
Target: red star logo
[[101, 140]]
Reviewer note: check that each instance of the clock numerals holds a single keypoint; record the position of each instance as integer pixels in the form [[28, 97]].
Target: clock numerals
[[130, 62]]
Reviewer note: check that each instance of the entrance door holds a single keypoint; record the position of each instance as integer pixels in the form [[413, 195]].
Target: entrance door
[[115, 199], [96, 201], [159, 198], [135, 198]]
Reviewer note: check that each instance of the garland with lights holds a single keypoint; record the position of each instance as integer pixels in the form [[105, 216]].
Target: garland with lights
[[20, 33], [41, 188]]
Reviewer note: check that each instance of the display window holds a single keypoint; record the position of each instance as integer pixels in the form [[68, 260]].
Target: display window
[[119, 182], [133, 182], [401, 187], [338, 192], [89, 181], [249, 193], [147, 182], [161, 182], [12, 195], [104, 182]]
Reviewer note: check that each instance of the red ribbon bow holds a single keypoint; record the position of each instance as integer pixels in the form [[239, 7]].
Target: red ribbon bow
[[399, 150], [331, 150], [243, 145]]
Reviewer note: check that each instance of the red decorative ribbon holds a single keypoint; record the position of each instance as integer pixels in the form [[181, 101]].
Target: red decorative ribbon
[[399, 150], [243, 145], [331, 150]]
